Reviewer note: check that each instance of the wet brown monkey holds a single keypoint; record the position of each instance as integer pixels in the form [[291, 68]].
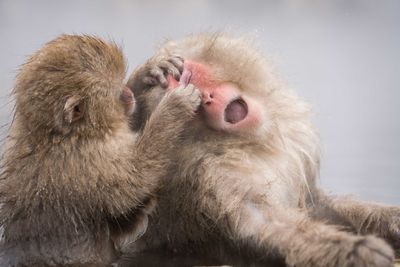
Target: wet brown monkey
[[76, 182], [245, 180]]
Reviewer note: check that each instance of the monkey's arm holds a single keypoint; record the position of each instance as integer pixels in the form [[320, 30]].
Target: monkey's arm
[[249, 216], [152, 157], [157, 143], [153, 150], [362, 217], [303, 242], [152, 154]]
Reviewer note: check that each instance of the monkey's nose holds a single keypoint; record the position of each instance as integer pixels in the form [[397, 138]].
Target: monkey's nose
[[207, 98]]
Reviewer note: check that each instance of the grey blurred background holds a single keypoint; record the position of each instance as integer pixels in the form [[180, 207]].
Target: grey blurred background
[[341, 55]]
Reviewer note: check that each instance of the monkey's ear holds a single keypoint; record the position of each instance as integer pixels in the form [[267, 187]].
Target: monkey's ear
[[73, 109]]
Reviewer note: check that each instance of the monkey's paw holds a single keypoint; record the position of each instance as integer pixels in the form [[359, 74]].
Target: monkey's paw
[[370, 251], [187, 95], [179, 106], [159, 69], [349, 251]]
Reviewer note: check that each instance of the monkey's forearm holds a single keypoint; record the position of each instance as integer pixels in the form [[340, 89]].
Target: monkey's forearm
[[153, 155], [362, 217], [303, 242], [161, 134]]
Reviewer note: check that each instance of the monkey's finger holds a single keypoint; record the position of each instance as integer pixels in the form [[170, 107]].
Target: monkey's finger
[[192, 89], [168, 67], [178, 62], [178, 57], [195, 95], [159, 75]]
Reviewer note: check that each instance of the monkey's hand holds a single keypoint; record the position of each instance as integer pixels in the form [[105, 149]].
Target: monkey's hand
[[155, 72], [158, 71], [187, 97]]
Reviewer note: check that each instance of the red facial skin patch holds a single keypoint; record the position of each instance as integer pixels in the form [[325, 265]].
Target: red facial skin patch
[[224, 106], [195, 73]]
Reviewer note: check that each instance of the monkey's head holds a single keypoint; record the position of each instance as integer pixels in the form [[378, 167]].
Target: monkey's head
[[74, 86], [245, 105], [236, 82]]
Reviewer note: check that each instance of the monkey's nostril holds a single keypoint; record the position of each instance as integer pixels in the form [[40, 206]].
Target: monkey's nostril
[[211, 96]]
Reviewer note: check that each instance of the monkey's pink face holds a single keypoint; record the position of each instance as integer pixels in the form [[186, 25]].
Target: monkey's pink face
[[224, 105]]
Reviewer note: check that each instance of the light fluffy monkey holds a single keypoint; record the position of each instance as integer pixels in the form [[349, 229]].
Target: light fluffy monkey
[[244, 183]]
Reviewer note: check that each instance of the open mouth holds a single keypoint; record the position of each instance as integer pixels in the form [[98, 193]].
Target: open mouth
[[236, 111], [185, 77]]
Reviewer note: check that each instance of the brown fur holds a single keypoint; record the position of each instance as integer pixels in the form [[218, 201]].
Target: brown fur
[[76, 182], [254, 194]]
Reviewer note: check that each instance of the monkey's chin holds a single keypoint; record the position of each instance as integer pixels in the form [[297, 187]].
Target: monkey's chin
[[236, 111]]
